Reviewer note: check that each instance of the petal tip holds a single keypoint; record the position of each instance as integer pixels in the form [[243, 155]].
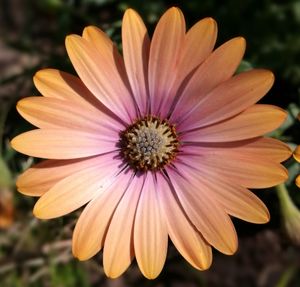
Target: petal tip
[[212, 25], [44, 72], [241, 41], [211, 21], [41, 212], [266, 217], [37, 75], [21, 104], [76, 251], [129, 11], [150, 276], [37, 212], [281, 177], [271, 76], [14, 143], [231, 249], [88, 29], [80, 257], [71, 39], [111, 273], [174, 11], [267, 75], [43, 75], [296, 153]]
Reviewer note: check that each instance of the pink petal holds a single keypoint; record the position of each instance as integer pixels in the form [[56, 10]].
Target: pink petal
[[38, 179], [204, 211], [253, 122], [150, 231], [268, 149], [136, 46], [62, 143], [184, 236], [97, 70], [118, 246], [217, 68], [92, 225], [248, 172], [77, 189], [49, 113], [165, 51], [231, 98]]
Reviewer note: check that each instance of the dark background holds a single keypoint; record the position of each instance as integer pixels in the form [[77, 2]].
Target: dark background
[[37, 253]]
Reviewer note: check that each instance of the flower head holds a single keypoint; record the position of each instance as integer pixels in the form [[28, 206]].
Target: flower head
[[164, 141]]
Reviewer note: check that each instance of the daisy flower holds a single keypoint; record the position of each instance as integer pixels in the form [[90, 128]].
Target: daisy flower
[[162, 142]]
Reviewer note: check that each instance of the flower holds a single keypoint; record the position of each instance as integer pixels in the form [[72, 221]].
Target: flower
[[164, 142], [296, 155]]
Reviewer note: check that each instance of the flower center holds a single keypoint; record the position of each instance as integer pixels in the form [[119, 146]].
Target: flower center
[[149, 144]]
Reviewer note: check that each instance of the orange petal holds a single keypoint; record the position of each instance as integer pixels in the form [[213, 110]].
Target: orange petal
[[62, 143], [165, 51], [268, 149], [60, 85], [98, 71], [150, 231], [204, 211], [296, 153], [198, 44], [56, 113], [236, 200], [253, 122], [231, 98], [240, 202], [136, 46], [108, 51], [248, 172], [118, 246], [38, 179], [184, 236], [298, 180], [217, 68], [92, 225], [76, 190]]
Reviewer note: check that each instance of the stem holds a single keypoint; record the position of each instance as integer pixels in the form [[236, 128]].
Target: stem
[[282, 192], [286, 203]]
